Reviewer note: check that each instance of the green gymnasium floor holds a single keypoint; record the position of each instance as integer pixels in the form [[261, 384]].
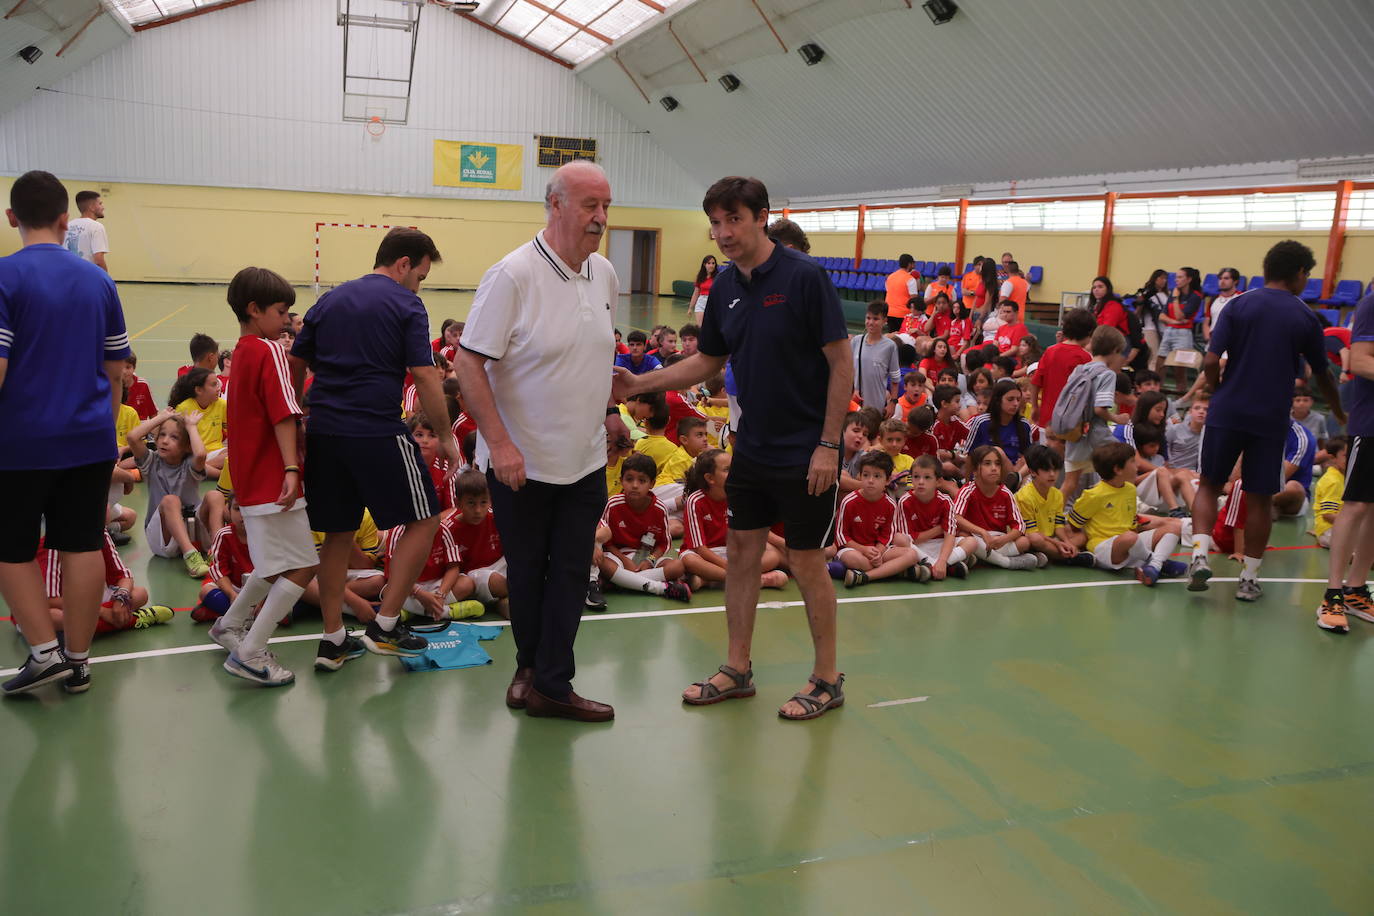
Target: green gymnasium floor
[[1069, 743]]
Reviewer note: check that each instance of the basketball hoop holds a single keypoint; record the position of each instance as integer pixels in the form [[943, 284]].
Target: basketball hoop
[[375, 127]]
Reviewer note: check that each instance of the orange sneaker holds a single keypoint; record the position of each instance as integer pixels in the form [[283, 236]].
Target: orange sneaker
[[1331, 616], [1357, 602]]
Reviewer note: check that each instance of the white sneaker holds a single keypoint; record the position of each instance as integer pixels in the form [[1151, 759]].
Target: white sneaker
[[227, 636], [1041, 560], [262, 669]]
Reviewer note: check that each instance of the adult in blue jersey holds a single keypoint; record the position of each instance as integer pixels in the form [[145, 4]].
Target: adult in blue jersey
[[62, 342], [360, 339], [1266, 334], [775, 315]]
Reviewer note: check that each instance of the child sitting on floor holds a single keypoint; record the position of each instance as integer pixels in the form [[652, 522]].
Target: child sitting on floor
[[668, 486], [433, 595], [481, 559], [866, 529], [173, 470], [123, 605], [1106, 513], [892, 439], [1042, 509], [986, 513], [860, 434], [422, 431], [632, 539], [1330, 490], [703, 555], [928, 520], [1158, 488]]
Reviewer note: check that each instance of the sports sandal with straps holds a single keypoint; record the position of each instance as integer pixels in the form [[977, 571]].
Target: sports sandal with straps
[[710, 693], [815, 708]]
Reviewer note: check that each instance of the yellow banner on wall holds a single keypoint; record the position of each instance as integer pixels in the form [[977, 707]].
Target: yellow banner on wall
[[460, 164]]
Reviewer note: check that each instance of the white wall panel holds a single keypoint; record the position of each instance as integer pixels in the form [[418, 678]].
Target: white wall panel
[[251, 97]]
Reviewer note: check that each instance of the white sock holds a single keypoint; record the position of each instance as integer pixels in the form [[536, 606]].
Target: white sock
[[637, 582], [280, 600], [1164, 545], [78, 656], [42, 652], [1251, 570], [1202, 545], [337, 637], [254, 589], [595, 575], [980, 548], [997, 558], [387, 623], [956, 555]]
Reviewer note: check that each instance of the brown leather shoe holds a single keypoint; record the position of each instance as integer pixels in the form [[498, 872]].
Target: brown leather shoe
[[577, 708], [519, 688]]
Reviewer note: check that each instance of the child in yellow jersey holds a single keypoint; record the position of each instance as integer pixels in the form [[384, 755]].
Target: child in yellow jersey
[[655, 443], [1042, 509], [668, 486], [1330, 489], [892, 439], [1106, 513], [120, 518], [363, 580], [198, 392]]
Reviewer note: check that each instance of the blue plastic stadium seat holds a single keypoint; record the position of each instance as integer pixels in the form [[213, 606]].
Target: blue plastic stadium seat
[[1171, 279], [1035, 275], [929, 272], [1347, 292], [876, 284], [1256, 282], [1240, 283], [1209, 285], [1332, 316], [1313, 291], [1128, 301]]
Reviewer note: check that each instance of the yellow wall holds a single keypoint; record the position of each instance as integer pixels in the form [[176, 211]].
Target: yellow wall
[[832, 244], [173, 233], [1357, 257], [923, 246], [1069, 259], [1135, 255]]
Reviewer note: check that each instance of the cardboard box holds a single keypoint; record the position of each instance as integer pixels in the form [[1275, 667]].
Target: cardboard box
[[1188, 359]]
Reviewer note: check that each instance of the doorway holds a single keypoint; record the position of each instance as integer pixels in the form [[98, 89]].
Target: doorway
[[633, 252]]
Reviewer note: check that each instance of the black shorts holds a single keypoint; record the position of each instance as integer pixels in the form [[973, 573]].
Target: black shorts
[[894, 324], [760, 496], [384, 474], [1359, 470], [66, 506], [1261, 459]]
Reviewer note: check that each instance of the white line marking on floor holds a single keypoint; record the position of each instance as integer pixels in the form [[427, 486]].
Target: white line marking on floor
[[898, 702], [718, 609]]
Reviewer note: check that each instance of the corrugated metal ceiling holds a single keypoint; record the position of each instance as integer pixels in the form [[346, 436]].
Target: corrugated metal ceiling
[[1009, 90], [49, 25]]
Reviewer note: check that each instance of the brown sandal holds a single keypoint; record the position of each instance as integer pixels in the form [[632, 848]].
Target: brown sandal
[[811, 700], [710, 693]]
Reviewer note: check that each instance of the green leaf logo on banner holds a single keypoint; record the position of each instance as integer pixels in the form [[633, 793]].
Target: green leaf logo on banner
[[478, 163]]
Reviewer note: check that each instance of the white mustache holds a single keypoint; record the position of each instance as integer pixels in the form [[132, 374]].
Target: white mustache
[[596, 228]]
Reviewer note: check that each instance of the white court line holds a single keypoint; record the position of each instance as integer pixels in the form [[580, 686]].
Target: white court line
[[687, 611], [898, 702]]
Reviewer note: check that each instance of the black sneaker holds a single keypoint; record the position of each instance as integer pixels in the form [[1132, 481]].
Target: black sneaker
[[120, 538], [677, 591], [35, 674], [398, 641], [80, 681], [1083, 560], [958, 570], [595, 600], [329, 657]]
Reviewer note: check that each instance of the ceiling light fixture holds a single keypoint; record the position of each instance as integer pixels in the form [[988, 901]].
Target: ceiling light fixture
[[811, 53], [668, 102], [940, 11], [729, 82]]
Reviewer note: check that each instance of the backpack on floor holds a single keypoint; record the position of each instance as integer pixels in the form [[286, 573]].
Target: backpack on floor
[[1074, 409]]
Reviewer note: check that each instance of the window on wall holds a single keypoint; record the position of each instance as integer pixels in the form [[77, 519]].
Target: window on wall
[[1054, 216], [1361, 212], [1237, 212], [912, 219], [828, 220]]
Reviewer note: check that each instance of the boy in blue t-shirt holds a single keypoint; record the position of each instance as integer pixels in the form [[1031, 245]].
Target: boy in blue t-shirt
[[637, 361], [62, 342]]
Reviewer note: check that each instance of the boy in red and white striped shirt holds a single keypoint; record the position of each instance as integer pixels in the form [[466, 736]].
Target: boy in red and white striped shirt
[[124, 604], [704, 516], [986, 512], [867, 526], [927, 517], [632, 539]]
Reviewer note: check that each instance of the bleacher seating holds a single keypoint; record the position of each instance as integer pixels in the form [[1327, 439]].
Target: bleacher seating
[[1332, 316], [1313, 291], [1035, 275], [1346, 293], [1256, 282], [1209, 285]]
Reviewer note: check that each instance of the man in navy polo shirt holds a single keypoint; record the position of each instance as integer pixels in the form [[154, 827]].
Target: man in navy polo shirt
[[62, 341], [360, 339], [1352, 536], [775, 315], [1266, 334]]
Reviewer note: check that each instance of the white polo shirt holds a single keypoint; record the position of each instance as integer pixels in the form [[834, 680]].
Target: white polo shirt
[[548, 333]]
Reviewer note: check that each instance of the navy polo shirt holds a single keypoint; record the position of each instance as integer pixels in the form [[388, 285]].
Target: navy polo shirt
[[1266, 334], [360, 339], [772, 327], [1360, 392]]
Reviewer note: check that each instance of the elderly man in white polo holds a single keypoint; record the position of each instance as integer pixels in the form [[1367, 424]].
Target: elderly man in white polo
[[534, 366]]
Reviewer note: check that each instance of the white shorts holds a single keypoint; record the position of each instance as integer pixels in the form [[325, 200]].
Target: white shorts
[[668, 494], [280, 541], [1147, 494], [353, 575], [482, 579], [906, 339], [654, 572], [211, 456], [930, 550], [413, 605], [856, 552], [162, 544], [1140, 553]]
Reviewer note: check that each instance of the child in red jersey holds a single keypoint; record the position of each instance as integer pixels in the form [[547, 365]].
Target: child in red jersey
[[265, 452], [867, 526], [703, 542], [440, 592], [927, 517], [633, 535], [860, 434], [422, 431], [919, 438], [481, 559], [949, 432], [124, 604], [986, 512], [139, 396], [230, 566]]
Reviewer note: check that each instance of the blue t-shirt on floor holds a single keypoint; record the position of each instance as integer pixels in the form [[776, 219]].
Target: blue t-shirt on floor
[[360, 339], [1300, 448], [1266, 334], [773, 327], [456, 646], [1361, 391], [60, 321]]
